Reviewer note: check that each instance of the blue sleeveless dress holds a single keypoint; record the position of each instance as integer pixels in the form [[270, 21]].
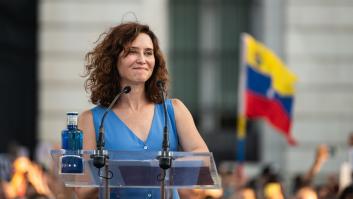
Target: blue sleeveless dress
[[119, 137]]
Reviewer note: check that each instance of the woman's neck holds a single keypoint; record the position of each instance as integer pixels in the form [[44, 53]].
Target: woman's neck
[[135, 100]]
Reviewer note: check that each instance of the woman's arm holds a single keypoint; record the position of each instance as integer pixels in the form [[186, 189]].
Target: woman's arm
[[189, 136], [190, 139], [85, 123]]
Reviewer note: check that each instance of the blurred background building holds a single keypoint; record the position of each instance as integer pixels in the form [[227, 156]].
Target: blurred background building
[[43, 44]]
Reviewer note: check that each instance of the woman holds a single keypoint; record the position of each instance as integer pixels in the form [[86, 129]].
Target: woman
[[129, 55]]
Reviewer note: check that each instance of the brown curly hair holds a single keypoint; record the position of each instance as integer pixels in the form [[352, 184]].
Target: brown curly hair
[[103, 80]]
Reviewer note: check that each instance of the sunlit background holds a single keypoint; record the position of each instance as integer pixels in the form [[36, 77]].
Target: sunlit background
[[43, 44]]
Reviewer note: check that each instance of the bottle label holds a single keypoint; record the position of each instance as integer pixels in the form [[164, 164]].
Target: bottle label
[[72, 119]]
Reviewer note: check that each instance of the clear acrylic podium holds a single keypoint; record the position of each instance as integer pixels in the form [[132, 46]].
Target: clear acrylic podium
[[140, 169]]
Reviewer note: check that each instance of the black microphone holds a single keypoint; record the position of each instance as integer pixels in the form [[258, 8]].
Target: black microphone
[[99, 157], [165, 161]]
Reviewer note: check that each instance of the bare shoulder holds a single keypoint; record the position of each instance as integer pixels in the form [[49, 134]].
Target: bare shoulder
[[85, 118], [86, 115], [180, 110], [178, 104]]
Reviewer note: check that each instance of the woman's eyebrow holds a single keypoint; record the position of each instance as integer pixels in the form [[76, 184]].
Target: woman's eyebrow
[[136, 48]]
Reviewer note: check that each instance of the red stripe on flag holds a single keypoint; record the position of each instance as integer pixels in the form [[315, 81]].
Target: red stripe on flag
[[260, 106]]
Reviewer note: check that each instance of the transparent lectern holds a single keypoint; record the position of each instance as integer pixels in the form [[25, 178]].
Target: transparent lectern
[[140, 169]]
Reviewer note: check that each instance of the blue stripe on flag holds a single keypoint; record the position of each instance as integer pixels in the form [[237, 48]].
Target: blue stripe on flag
[[261, 85]]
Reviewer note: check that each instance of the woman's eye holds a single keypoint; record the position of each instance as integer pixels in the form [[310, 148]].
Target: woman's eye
[[149, 53], [132, 51]]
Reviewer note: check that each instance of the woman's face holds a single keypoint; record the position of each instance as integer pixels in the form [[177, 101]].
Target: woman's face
[[136, 65]]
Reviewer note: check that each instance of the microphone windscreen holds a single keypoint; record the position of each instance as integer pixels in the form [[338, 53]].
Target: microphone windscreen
[[126, 89]]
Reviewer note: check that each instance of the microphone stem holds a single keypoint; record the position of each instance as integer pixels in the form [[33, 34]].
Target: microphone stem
[[165, 160], [101, 143], [99, 157], [165, 129]]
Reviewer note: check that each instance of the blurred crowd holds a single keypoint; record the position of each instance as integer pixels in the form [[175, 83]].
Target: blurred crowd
[[269, 184], [22, 178]]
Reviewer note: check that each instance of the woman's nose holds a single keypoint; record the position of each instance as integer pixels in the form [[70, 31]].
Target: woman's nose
[[141, 58]]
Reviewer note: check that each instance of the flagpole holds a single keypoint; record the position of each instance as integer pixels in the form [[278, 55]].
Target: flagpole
[[241, 123]]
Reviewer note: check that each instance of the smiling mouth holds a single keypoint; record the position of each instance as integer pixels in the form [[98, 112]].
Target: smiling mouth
[[139, 68]]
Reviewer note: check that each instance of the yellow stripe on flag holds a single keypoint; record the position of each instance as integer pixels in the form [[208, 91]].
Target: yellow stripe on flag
[[265, 61]]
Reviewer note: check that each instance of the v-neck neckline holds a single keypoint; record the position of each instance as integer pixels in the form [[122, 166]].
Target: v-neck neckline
[[132, 132]]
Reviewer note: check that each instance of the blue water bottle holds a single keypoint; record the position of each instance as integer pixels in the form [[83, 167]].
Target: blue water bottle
[[72, 142]]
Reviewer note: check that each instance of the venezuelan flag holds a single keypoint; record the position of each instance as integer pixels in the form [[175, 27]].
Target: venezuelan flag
[[269, 87]]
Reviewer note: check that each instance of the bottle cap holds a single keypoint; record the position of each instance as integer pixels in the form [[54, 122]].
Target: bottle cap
[[72, 113]]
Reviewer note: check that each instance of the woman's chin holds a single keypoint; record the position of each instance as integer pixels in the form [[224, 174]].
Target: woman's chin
[[137, 81]]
